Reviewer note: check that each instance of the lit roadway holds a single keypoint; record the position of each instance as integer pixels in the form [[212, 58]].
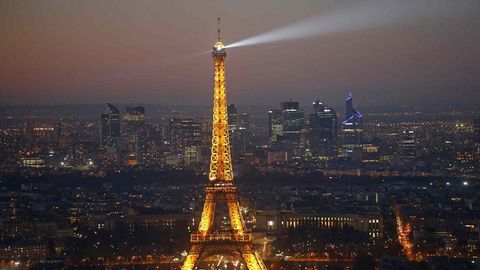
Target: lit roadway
[[404, 231]]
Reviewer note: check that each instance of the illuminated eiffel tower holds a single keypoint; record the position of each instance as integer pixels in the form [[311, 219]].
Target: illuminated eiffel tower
[[235, 241]]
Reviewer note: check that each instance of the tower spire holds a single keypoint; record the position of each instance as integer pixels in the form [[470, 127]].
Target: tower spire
[[218, 31]]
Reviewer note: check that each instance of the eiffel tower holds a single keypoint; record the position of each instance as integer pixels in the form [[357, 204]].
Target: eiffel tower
[[207, 241]]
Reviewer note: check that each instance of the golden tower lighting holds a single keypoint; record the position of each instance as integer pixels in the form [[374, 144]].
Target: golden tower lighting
[[206, 241]]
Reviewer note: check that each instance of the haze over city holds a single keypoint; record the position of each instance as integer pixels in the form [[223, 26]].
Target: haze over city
[[56, 52]]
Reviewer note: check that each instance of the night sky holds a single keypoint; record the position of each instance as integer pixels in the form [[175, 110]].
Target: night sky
[[154, 52]]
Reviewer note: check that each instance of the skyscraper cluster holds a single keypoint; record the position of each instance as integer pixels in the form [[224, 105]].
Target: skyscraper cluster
[[320, 136], [129, 142], [314, 138]]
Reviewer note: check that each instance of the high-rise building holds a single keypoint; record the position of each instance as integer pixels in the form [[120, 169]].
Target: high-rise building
[[191, 155], [135, 117], [293, 120], [238, 127], [322, 129], [245, 129], [352, 129], [135, 123], [286, 128], [232, 116], [184, 133], [29, 139], [293, 129], [110, 126], [275, 124], [406, 145], [153, 145]]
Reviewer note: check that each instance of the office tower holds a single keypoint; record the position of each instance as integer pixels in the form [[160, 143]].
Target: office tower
[[406, 145], [275, 124], [238, 127], [244, 132], [134, 117], [184, 133], [135, 124], [293, 120], [352, 129], [293, 135], [28, 133], [287, 128], [110, 126], [152, 145], [191, 155], [232, 116], [322, 130], [58, 133]]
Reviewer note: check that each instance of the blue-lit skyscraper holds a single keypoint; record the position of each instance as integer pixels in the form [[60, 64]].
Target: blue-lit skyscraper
[[352, 129]]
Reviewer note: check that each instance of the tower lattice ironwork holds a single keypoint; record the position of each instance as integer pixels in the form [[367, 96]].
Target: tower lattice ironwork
[[207, 241]]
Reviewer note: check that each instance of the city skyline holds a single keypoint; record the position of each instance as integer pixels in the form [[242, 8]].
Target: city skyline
[[299, 183], [156, 53]]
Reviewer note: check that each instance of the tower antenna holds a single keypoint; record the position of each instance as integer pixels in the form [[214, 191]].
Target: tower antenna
[[218, 31]]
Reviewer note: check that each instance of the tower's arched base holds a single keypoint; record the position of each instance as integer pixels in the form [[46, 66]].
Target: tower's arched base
[[243, 251]]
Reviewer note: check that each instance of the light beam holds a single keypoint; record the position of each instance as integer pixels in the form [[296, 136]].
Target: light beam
[[370, 14]]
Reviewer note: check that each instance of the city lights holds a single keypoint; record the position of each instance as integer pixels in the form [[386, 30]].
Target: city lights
[[351, 143]]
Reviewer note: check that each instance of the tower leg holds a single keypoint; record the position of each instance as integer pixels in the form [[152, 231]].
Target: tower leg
[[192, 258], [236, 220], [207, 214], [252, 259]]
